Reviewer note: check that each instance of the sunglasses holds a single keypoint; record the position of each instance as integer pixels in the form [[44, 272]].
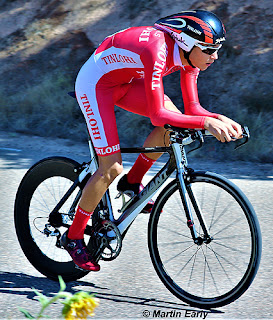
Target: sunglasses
[[208, 49]]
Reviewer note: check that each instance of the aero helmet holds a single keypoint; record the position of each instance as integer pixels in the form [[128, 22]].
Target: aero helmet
[[194, 28]]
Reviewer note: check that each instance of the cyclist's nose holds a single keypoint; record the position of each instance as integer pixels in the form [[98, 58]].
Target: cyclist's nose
[[214, 56]]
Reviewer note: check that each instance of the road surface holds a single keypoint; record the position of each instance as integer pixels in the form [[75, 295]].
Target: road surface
[[128, 287]]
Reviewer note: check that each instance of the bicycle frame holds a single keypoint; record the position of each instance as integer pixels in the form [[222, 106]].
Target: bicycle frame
[[177, 161]]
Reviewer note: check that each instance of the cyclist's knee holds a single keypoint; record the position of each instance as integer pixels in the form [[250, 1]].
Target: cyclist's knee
[[110, 168], [115, 170]]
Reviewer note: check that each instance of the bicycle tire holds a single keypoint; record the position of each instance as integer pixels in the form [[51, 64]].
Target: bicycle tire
[[173, 252], [43, 179]]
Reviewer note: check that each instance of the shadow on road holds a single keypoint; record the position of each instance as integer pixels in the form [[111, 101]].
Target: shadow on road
[[23, 284]]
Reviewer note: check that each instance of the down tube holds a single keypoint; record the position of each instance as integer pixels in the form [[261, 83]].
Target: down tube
[[140, 201]]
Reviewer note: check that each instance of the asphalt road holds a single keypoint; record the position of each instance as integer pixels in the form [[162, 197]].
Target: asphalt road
[[127, 287]]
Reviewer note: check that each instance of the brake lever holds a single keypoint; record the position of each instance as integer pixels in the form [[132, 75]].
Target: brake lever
[[246, 136]]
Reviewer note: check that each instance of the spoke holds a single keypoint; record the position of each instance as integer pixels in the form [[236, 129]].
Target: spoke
[[214, 209], [228, 226], [175, 232], [204, 274], [228, 247], [42, 201], [179, 253], [234, 236], [212, 277], [179, 219], [193, 264], [110, 248], [188, 261], [216, 256], [221, 214], [164, 244], [225, 259], [52, 188]]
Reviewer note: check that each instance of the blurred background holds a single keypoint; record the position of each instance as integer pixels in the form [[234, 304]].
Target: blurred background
[[43, 44]]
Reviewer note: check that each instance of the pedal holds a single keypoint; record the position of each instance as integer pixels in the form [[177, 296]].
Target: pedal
[[122, 195], [119, 195], [125, 203], [128, 193]]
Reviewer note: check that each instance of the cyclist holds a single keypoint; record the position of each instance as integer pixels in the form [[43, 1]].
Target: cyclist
[[127, 70]]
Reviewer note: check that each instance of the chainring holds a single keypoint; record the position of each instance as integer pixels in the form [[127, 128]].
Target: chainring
[[108, 241]]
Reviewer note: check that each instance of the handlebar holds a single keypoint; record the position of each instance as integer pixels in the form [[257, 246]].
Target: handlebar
[[187, 136]]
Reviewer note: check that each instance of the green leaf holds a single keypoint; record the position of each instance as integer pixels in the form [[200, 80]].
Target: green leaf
[[26, 314], [62, 283], [42, 298]]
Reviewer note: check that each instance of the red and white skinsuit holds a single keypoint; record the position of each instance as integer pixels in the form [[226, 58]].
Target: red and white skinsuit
[[126, 70]]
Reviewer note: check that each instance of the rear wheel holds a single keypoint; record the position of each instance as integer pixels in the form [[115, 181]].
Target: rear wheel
[[39, 192], [206, 275]]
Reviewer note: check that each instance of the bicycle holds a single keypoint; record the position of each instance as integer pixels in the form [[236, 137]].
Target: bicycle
[[204, 237]]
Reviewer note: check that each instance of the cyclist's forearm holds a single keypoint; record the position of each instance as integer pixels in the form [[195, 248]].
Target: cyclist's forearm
[[163, 116], [195, 109]]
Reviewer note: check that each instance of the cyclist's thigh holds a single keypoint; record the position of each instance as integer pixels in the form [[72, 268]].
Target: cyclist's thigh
[[134, 100], [97, 105]]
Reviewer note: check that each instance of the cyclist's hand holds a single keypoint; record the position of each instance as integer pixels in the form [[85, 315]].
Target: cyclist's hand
[[236, 126], [224, 131]]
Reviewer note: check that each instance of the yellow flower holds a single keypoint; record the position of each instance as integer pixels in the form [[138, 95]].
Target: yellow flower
[[79, 306]]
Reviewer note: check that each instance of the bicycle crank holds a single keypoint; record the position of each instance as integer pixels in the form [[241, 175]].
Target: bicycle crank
[[108, 241]]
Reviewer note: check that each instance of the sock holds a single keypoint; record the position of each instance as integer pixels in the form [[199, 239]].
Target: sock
[[76, 231], [141, 166]]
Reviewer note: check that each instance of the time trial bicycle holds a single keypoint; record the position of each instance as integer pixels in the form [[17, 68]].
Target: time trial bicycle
[[204, 237]]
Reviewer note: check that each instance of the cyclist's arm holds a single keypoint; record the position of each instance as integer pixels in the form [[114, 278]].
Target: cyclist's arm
[[188, 81], [154, 68]]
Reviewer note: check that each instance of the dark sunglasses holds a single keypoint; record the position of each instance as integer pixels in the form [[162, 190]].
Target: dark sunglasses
[[208, 50]]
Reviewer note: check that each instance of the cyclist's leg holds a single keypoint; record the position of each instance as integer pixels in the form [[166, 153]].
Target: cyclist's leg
[[158, 136], [109, 168], [96, 101], [135, 101]]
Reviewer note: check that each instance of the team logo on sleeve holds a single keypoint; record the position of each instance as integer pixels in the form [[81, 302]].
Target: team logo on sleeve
[[159, 66]]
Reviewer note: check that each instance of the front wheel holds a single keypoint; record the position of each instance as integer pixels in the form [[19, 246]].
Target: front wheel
[[39, 192], [206, 275]]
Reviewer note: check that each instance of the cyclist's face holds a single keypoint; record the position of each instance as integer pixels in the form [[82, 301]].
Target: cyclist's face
[[202, 60]]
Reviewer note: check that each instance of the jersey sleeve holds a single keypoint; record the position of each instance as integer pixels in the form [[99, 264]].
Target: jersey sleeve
[[154, 61], [188, 81]]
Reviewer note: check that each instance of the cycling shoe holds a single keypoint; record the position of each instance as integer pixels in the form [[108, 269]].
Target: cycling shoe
[[79, 253]]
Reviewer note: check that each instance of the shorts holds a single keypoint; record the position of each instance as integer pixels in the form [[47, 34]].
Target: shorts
[[97, 98]]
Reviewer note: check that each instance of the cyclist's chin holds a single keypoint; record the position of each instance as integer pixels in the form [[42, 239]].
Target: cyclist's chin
[[204, 66]]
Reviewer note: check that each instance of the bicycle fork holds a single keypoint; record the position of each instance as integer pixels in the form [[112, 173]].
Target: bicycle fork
[[187, 196]]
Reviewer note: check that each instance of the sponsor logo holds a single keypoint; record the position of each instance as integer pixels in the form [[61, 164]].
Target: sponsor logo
[[180, 39], [220, 40], [113, 58], [145, 35], [154, 184], [194, 30], [85, 213], [107, 150], [90, 115], [159, 66]]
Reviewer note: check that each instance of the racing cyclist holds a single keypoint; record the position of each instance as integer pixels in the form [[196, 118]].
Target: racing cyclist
[[126, 70]]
